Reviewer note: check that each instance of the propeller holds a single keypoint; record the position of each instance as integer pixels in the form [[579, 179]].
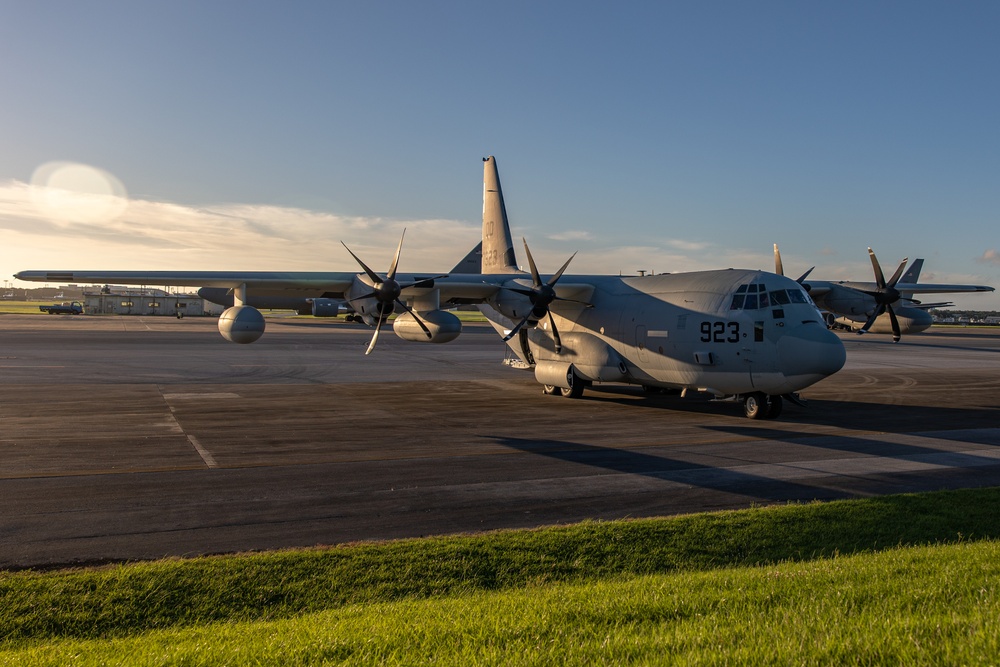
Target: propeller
[[779, 269], [541, 296], [386, 292], [884, 296]]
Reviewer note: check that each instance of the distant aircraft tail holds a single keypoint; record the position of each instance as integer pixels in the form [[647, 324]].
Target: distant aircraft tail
[[471, 263], [910, 278], [913, 273], [498, 246]]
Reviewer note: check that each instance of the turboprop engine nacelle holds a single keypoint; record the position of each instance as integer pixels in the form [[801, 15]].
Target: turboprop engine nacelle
[[241, 324], [442, 325], [591, 358], [325, 307], [849, 302], [510, 303], [911, 320]]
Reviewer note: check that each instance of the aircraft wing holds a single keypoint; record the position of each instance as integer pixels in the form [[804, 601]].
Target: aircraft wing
[[462, 288], [919, 288], [818, 288], [275, 280]]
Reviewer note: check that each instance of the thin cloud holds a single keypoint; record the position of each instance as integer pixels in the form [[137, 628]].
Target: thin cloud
[[689, 246], [163, 235], [571, 235], [991, 256]]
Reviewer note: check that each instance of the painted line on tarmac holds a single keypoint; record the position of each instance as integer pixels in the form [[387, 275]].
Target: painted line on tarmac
[[205, 455]]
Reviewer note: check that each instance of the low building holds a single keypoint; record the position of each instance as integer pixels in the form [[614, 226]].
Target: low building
[[143, 302]]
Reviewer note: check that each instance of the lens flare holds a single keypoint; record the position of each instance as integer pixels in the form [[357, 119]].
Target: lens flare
[[68, 192]]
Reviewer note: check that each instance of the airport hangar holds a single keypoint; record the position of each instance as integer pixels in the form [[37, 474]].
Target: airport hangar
[[146, 302]]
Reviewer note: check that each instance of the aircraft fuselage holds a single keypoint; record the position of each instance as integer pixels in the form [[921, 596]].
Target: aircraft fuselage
[[688, 331]]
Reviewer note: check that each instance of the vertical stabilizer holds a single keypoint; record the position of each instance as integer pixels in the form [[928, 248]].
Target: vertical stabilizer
[[911, 277], [471, 263], [913, 273], [498, 247]]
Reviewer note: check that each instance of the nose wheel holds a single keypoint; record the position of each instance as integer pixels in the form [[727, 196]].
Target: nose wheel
[[758, 405]]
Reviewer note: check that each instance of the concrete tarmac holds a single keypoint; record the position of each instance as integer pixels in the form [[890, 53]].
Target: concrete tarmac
[[126, 438]]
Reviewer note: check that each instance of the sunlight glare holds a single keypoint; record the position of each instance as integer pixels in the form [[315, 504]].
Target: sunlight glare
[[73, 192]]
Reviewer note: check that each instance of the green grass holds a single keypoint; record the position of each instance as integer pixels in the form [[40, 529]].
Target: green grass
[[929, 605], [811, 584], [23, 307]]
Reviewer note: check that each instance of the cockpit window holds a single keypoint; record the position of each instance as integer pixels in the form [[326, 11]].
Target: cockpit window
[[749, 297], [798, 296], [753, 296]]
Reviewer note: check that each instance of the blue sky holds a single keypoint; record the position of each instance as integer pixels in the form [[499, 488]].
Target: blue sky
[[660, 136]]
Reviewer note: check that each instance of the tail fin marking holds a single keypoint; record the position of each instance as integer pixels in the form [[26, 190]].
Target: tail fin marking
[[498, 246]]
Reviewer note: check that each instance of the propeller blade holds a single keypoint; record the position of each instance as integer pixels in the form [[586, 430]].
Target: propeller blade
[[555, 334], [378, 327], [871, 320], [371, 274], [895, 324], [879, 277], [422, 280], [416, 317], [780, 269], [541, 296], [536, 280], [364, 296], [519, 290], [529, 293], [899, 272], [386, 292], [804, 275], [517, 327], [395, 260], [558, 275]]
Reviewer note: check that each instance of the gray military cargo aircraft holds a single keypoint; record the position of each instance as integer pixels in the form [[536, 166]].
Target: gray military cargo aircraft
[[884, 306], [738, 334]]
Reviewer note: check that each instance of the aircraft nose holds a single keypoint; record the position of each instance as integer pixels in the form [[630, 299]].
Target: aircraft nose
[[810, 349]]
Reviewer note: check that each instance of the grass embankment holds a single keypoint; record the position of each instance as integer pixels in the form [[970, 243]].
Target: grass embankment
[[768, 585]]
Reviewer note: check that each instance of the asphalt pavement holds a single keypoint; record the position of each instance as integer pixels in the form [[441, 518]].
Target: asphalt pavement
[[127, 438]]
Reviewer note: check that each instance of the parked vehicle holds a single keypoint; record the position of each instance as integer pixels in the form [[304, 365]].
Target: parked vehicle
[[64, 308]]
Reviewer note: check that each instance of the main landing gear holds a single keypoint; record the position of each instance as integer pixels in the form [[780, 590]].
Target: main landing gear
[[575, 389], [758, 405]]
